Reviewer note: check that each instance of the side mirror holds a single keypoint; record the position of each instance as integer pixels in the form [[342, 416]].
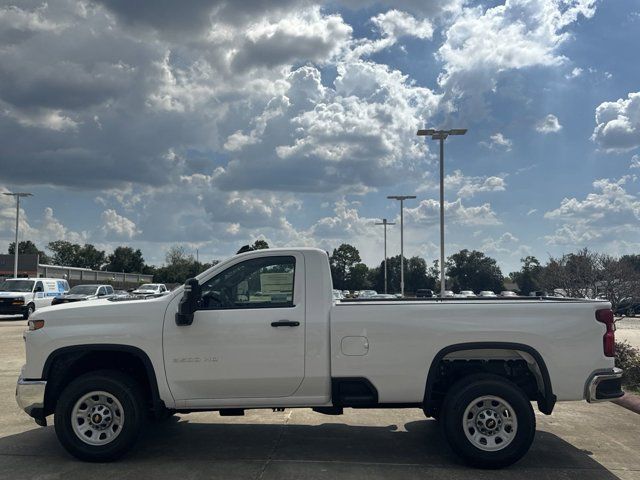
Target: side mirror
[[189, 303]]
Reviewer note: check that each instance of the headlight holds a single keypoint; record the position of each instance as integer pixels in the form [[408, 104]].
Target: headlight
[[35, 324], [18, 301]]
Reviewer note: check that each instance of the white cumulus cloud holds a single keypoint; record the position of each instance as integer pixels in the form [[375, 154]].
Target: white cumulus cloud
[[118, 225], [549, 124], [618, 124], [482, 43]]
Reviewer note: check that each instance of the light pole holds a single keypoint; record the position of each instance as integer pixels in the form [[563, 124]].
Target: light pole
[[385, 223], [402, 198], [17, 195], [441, 135]]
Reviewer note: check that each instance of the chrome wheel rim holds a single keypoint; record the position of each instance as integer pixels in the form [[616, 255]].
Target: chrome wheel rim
[[490, 423], [97, 418]]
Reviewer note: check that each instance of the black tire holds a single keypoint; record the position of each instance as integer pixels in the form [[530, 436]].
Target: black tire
[[30, 309], [462, 395], [120, 386]]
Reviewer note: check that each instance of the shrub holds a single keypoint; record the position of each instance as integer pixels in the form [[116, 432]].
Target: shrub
[[628, 359]]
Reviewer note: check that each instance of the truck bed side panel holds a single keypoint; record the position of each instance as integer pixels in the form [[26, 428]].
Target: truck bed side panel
[[404, 337]]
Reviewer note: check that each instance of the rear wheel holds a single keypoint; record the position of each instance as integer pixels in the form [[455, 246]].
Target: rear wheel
[[488, 421], [99, 415]]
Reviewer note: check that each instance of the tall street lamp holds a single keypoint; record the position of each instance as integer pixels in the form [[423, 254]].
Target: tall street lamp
[[441, 135], [402, 198], [385, 223], [17, 195]]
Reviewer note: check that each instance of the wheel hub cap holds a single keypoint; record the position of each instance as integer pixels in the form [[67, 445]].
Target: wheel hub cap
[[490, 423], [97, 418]]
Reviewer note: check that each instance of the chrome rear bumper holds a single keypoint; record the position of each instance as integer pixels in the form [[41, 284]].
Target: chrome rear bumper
[[604, 385]]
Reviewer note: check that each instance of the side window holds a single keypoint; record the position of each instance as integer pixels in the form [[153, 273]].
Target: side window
[[102, 291], [265, 282], [109, 290], [39, 287]]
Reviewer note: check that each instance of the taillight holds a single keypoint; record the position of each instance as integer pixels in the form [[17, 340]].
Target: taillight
[[609, 339]]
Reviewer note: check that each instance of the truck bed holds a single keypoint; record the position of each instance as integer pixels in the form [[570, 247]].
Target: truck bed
[[393, 342]]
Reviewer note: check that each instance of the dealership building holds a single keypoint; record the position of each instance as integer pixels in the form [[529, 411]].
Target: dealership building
[[29, 266]]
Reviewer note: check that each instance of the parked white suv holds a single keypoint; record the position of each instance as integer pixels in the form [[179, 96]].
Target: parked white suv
[[261, 330], [22, 296], [151, 289]]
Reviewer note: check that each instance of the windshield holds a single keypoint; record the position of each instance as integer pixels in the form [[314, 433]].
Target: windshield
[[16, 286], [83, 290], [148, 286]]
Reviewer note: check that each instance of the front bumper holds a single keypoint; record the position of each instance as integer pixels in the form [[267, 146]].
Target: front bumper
[[30, 396], [8, 309], [604, 385]]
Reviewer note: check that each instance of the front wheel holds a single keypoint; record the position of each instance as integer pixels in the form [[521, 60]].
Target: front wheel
[[99, 416], [488, 421], [28, 312]]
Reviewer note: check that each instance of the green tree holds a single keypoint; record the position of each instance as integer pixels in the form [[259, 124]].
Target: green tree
[[260, 245], [64, 253], [126, 259], [357, 279], [179, 266], [257, 245], [27, 247], [417, 275], [393, 276], [631, 261], [342, 259], [88, 256], [473, 270], [73, 255], [529, 278]]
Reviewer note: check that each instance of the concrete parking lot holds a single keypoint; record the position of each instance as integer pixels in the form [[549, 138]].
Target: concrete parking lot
[[579, 441]]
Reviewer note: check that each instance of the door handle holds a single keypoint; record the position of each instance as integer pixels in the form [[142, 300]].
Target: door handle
[[285, 323]]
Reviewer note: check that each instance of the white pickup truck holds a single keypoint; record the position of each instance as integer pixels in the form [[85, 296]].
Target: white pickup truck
[[261, 330]]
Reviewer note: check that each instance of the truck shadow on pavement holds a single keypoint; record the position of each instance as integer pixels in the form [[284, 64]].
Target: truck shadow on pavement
[[287, 450]]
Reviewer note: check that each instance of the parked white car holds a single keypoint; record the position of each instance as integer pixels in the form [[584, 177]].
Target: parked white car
[[467, 293], [22, 296], [382, 296], [508, 293], [449, 294], [261, 330], [487, 293], [367, 293], [151, 289]]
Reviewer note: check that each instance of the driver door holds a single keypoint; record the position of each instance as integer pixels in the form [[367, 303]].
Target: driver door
[[247, 336]]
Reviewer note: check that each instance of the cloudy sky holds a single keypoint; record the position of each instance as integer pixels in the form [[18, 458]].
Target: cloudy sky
[[210, 123]]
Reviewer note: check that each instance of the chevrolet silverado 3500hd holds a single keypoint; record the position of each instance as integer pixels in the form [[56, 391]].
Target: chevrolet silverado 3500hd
[[261, 330]]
